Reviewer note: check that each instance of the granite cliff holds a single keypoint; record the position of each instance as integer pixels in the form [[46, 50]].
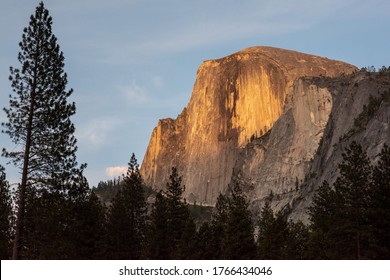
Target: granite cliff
[[360, 113], [253, 117]]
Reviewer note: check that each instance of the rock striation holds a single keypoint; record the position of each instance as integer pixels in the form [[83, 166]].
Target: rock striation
[[228, 129]]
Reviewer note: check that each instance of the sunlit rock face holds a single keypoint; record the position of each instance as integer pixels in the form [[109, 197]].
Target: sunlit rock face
[[237, 99]]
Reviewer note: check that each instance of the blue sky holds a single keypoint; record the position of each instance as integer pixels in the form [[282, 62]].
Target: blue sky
[[133, 62]]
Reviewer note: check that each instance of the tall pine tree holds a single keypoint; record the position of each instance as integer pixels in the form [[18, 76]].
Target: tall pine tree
[[238, 242], [39, 119], [267, 240], [352, 186], [273, 233], [85, 229], [218, 226], [297, 241], [159, 244], [127, 217], [279, 238], [206, 249], [325, 223], [171, 228], [177, 211], [181, 226]]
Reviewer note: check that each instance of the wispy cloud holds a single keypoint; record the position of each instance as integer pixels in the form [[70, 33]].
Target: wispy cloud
[[157, 81], [140, 93], [116, 170], [96, 133], [134, 92]]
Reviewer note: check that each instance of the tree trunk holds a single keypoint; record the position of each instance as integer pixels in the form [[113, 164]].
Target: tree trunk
[[23, 185]]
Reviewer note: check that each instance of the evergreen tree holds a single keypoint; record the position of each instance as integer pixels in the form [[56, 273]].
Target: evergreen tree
[[205, 243], [297, 241], [272, 235], [187, 246], [127, 216], [5, 216], [159, 244], [238, 242], [39, 118], [221, 212], [265, 239], [180, 223], [218, 226], [174, 189], [86, 219], [380, 204], [340, 218], [325, 238], [279, 238], [45, 227], [172, 229], [353, 186], [178, 213], [323, 208]]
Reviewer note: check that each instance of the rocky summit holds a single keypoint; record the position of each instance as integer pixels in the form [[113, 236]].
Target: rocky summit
[[268, 119]]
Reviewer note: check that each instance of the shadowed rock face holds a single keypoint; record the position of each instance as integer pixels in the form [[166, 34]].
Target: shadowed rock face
[[235, 99], [350, 95]]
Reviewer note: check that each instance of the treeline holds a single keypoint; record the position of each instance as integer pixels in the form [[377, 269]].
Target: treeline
[[349, 220], [106, 190], [129, 228], [372, 69]]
